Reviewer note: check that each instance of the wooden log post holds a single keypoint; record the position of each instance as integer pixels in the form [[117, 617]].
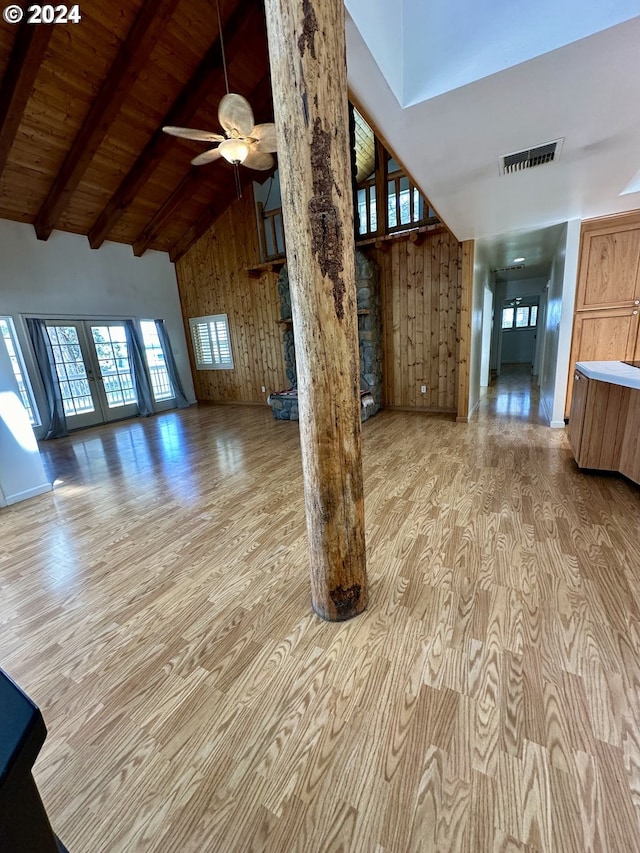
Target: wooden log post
[[309, 80]]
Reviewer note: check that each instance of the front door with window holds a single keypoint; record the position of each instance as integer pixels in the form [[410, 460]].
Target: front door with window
[[94, 371]]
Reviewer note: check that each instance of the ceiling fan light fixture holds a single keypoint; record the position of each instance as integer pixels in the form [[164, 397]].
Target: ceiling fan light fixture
[[235, 151]]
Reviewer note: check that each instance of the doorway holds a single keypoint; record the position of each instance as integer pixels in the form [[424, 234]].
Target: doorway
[[94, 371]]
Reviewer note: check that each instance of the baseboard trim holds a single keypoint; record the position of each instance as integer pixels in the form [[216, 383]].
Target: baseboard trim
[[28, 493]]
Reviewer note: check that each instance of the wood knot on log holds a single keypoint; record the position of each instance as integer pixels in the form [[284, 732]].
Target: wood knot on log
[[346, 600], [309, 30], [324, 221]]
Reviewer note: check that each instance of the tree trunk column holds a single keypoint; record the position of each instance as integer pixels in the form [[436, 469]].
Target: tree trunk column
[[309, 80]]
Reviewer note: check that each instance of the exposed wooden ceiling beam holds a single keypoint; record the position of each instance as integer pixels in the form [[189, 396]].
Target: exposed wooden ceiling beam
[[207, 219], [181, 112], [134, 52], [260, 98], [184, 189], [28, 52]]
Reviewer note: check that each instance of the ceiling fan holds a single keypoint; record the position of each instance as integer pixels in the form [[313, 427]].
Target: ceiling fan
[[243, 142]]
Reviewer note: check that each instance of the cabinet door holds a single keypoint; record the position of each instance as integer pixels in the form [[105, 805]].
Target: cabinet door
[[576, 418], [630, 451], [609, 272], [607, 335]]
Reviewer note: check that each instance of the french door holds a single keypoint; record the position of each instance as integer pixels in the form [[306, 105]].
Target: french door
[[94, 371]]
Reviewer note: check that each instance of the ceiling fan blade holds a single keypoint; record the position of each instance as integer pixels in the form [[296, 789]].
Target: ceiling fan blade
[[266, 136], [207, 157], [235, 113], [188, 133], [258, 160]]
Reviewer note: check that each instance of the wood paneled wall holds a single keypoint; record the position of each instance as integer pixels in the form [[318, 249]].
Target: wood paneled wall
[[421, 293], [213, 279], [421, 304]]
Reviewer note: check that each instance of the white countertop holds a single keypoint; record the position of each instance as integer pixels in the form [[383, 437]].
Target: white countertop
[[611, 371]]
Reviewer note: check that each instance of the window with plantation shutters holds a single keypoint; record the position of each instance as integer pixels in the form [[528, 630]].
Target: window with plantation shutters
[[211, 342]]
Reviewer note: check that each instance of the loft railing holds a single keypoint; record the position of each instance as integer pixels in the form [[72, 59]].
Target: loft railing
[[403, 209]]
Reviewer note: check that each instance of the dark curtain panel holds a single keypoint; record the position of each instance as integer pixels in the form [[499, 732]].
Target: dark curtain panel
[[53, 419], [141, 380], [172, 370]]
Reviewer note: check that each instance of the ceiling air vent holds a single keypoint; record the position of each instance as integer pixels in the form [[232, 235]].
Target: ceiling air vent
[[509, 269], [530, 157]]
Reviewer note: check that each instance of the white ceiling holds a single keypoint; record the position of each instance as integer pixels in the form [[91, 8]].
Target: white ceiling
[[586, 92], [537, 246]]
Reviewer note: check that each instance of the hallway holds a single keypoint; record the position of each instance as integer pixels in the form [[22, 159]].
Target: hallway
[[514, 394]]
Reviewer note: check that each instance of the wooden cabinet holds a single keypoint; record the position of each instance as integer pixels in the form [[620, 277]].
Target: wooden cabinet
[[607, 309], [578, 406], [609, 262], [610, 334], [604, 427], [629, 463]]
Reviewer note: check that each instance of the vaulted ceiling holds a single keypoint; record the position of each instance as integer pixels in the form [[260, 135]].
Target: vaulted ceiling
[[82, 107], [81, 111]]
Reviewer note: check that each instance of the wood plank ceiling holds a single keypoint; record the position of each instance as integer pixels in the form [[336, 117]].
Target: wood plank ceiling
[[82, 107]]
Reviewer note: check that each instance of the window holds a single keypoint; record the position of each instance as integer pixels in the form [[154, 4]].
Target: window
[[367, 208], [160, 382], [507, 318], [520, 317], [404, 202], [8, 333], [211, 342]]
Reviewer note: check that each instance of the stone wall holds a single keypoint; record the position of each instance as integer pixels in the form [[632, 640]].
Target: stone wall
[[285, 406], [369, 330]]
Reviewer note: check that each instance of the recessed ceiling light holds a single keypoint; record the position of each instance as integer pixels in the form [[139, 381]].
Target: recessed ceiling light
[[518, 260]]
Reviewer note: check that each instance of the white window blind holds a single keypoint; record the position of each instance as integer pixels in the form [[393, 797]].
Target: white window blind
[[211, 342]]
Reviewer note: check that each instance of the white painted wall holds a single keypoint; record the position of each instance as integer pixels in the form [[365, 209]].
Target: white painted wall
[[518, 346], [63, 277], [554, 369], [487, 326], [542, 328], [21, 473], [481, 277]]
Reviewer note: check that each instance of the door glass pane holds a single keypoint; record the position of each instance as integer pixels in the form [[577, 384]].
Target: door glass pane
[[507, 318], [522, 316], [113, 360], [72, 373], [533, 319]]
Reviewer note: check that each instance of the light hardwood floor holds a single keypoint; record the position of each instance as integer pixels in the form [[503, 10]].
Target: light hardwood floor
[[156, 606]]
